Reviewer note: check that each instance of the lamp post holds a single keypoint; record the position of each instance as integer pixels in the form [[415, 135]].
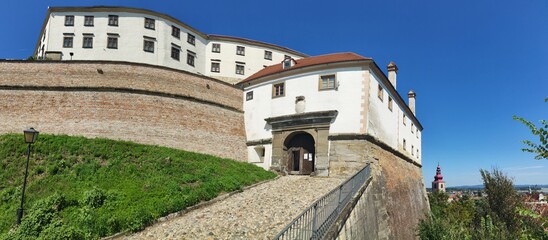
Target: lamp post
[[30, 137]]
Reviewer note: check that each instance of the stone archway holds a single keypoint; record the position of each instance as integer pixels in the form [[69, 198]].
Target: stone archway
[[312, 124], [300, 153]]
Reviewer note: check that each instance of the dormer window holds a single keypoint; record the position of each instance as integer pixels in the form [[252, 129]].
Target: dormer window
[[288, 62]]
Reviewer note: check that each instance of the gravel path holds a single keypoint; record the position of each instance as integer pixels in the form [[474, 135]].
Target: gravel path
[[259, 212]]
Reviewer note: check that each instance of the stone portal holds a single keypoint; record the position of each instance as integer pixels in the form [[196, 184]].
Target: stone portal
[[300, 144]]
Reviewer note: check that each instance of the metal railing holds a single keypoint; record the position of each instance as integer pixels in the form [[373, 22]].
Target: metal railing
[[314, 222]]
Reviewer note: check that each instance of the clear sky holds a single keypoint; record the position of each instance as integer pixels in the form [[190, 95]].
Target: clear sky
[[473, 63]]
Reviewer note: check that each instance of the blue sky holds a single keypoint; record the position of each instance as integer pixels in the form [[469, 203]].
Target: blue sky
[[473, 63]]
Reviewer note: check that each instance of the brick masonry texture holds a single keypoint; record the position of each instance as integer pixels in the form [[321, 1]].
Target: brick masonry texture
[[187, 111]]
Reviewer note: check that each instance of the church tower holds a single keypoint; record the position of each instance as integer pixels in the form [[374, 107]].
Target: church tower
[[438, 184]]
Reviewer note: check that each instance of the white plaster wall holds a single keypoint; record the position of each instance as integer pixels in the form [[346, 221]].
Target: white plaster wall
[[388, 125], [254, 158], [382, 123], [346, 100], [254, 59], [412, 138], [131, 32]]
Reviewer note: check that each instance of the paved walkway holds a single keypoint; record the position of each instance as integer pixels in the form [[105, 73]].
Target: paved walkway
[[257, 213]]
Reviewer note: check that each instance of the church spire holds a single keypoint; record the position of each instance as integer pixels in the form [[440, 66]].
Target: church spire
[[438, 184]]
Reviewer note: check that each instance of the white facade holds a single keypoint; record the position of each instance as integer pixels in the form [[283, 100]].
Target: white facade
[[361, 110], [131, 31]]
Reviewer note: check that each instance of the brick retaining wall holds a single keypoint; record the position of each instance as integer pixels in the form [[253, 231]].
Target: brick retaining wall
[[135, 102]]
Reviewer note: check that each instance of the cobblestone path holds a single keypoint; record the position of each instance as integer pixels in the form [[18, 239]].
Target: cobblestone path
[[259, 212]]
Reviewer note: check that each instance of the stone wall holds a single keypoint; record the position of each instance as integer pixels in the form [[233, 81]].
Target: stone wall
[[126, 101], [395, 200]]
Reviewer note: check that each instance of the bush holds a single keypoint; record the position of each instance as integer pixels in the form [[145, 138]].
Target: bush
[[94, 198], [499, 215]]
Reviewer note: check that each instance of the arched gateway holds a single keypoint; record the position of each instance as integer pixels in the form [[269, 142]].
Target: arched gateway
[[300, 153], [300, 142]]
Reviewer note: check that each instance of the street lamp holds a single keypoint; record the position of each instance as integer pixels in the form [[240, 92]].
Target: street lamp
[[30, 137]]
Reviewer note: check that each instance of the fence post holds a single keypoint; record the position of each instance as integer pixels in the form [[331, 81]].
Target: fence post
[[314, 221]]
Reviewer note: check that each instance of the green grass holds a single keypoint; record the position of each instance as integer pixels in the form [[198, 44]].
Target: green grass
[[89, 188]]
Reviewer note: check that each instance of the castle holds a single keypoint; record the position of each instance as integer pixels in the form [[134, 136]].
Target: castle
[[143, 36], [137, 75], [298, 110]]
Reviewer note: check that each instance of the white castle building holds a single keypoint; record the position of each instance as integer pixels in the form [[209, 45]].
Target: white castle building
[[143, 36], [297, 109]]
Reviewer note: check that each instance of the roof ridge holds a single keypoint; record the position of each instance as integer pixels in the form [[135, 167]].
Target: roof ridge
[[307, 62]]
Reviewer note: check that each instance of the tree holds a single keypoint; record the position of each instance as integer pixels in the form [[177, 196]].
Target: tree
[[503, 200], [540, 149]]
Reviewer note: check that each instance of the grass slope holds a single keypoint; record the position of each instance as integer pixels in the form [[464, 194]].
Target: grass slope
[[87, 188]]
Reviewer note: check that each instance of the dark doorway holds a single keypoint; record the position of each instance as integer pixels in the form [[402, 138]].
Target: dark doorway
[[300, 153]]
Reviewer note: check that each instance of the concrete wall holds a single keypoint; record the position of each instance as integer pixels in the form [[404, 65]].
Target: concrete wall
[[136, 102], [395, 200]]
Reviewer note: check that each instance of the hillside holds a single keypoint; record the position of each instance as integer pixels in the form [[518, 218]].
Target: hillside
[[87, 188]]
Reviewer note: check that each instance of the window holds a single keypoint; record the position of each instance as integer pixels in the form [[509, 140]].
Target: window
[[148, 45], [69, 20], [390, 103], [412, 150], [190, 58], [113, 20], [404, 120], [215, 67], [88, 41], [240, 50], [175, 31], [149, 23], [191, 39], [412, 127], [239, 69], [380, 93], [278, 90], [216, 48], [327, 82], [287, 63], [418, 153], [249, 96], [175, 53], [404, 144], [67, 42], [88, 21], [267, 55], [112, 42]]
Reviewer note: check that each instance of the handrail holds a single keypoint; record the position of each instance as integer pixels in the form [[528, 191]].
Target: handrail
[[315, 221]]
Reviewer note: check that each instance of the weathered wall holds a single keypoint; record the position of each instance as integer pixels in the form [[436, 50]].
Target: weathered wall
[[135, 102], [395, 200]]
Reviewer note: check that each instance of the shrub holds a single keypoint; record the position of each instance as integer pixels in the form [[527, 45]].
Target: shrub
[[94, 198]]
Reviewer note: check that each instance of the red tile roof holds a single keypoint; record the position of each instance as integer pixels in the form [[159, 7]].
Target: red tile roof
[[306, 62]]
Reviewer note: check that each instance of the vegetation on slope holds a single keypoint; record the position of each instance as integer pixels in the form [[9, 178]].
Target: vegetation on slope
[[500, 215], [87, 188]]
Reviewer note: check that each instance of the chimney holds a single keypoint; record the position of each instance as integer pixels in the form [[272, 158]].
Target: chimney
[[392, 72], [412, 96]]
